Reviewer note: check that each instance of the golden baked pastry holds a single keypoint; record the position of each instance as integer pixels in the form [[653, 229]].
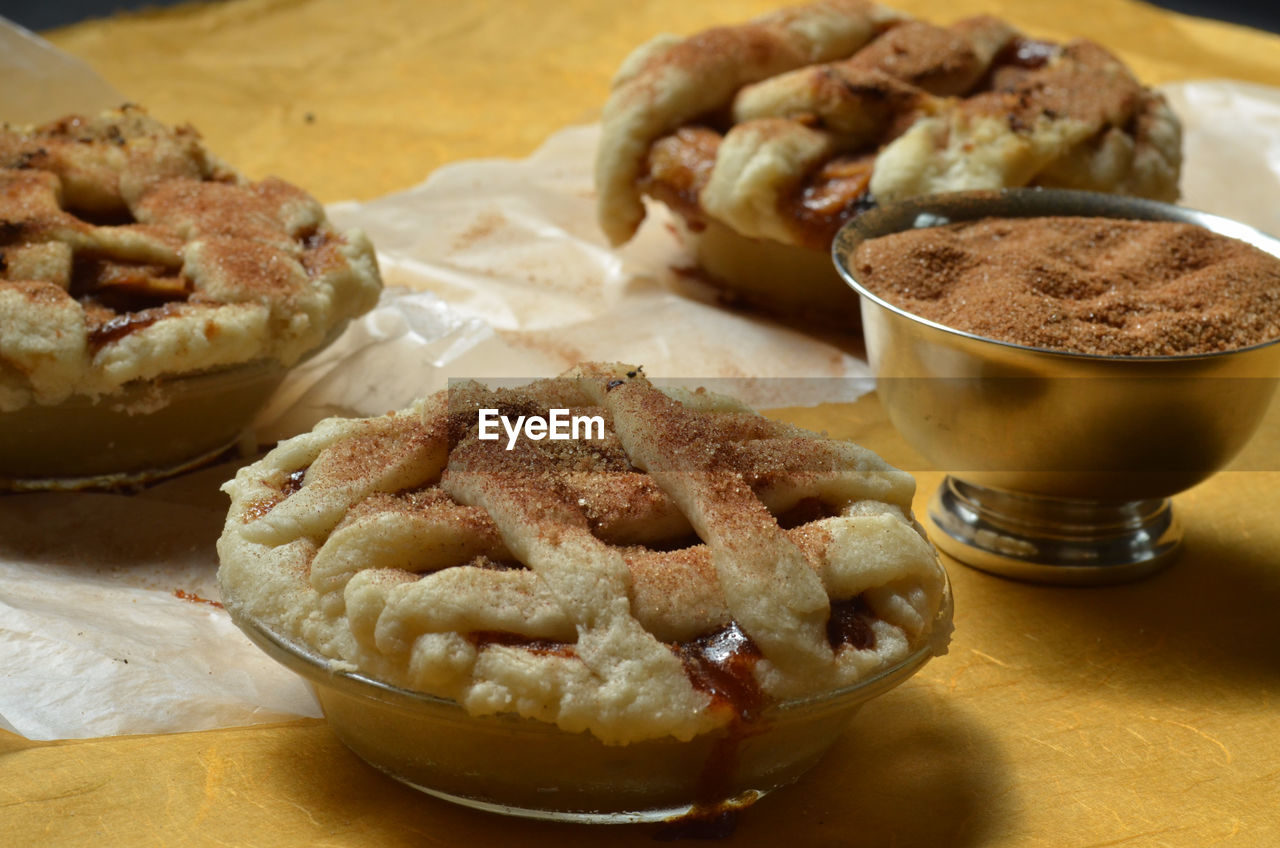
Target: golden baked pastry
[[128, 252], [766, 137], [689, 563]]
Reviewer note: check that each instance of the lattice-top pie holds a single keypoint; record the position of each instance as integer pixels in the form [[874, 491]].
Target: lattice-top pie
[[692, 562], [128, 251], [781, 129]]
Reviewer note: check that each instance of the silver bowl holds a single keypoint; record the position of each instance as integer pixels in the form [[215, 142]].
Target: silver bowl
[[1059, 465]]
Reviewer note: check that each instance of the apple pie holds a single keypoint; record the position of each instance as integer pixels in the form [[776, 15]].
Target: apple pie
[[765, 138], [151, 298], [681, 567], [128, 252]]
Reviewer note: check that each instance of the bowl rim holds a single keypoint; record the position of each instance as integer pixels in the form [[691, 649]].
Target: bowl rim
[[1041, 202], [317, 669]]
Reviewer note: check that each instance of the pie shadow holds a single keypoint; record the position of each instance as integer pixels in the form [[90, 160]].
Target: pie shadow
[[127, 539], [908, 751], [912, 750], [1209, 618]]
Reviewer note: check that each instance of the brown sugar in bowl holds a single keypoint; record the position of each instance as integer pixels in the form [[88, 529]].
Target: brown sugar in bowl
[[1060, 462], [1100, 286]]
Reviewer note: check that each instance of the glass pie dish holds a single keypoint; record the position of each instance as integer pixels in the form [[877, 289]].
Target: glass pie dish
[[150, 429], [146, 431], [671, 614], [523, 767]]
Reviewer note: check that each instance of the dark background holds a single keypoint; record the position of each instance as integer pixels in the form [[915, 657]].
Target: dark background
[[44, 14]]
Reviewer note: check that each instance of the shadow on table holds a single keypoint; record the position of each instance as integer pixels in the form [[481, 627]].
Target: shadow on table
[[1209, 620], [123, 539], [914, 769]]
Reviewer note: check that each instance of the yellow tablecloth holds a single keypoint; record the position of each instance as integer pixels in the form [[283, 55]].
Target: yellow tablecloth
[[1146, 714], [356, 100]]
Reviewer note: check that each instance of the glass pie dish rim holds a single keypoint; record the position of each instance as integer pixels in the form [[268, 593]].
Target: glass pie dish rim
[[263, 375], [443, 750], [353, 682]]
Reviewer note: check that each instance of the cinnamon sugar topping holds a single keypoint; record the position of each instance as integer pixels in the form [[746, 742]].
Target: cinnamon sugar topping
[[784, 150], [171, 261], [1088, 285], [679, 574]]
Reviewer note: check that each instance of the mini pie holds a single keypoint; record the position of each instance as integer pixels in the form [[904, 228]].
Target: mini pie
[[775, 132], [696, 564], [129, 252]]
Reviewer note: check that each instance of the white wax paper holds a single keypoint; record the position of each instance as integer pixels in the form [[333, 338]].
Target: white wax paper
[[494, 269], [42, 83], [93, 640], [1231, 141]]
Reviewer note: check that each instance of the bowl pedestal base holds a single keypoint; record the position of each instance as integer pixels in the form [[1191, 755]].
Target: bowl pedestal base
[[1063, 541]]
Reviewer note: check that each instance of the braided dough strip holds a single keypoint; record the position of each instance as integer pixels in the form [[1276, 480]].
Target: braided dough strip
[[856, 98], [758, 163], [768, 585], [788, 125], [1144, 164], [987, 143], [666, 84], [588, 579]]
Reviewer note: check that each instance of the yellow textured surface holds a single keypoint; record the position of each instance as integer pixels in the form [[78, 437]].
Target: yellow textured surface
[[398, 87], [1143, 715]]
